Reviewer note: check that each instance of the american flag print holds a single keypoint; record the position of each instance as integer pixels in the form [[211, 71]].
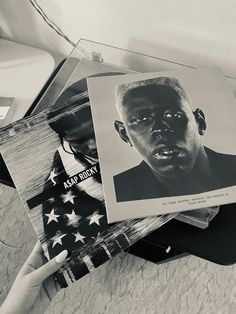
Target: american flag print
[[64, 199]]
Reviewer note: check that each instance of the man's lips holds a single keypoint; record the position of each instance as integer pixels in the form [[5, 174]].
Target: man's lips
[[167, 152]]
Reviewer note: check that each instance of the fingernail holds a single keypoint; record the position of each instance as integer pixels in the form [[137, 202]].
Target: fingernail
[[61, 257]]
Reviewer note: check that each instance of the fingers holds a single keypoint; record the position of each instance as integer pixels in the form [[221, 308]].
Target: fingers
[[40, 274], [37, 250], [34, 260]]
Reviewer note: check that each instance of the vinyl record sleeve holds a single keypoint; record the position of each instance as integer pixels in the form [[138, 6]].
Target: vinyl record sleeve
[[165, 141], [63, 195]]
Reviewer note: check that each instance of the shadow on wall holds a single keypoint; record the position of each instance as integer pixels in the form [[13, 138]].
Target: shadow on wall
[[22, 23]]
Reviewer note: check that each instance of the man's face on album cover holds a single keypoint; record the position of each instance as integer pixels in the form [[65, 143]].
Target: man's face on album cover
[[81, 137], [162, 128]]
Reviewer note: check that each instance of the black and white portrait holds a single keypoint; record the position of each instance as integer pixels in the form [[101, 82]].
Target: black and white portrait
[[159, 122], [179, 127]]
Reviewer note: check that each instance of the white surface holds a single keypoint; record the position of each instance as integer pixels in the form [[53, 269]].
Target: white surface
[[23, 72], [194, 32]]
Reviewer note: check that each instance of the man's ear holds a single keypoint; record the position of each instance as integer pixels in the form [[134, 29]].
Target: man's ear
[[201, 121], [119, 126]]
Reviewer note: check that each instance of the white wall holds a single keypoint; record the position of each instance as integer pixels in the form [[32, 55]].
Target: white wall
[[200, 33]]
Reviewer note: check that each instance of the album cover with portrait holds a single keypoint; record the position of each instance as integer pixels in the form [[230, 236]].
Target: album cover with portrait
[[166, 141], [53, 161]]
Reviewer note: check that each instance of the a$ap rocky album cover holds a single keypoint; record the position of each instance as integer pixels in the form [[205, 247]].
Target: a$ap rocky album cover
[[53, 161]]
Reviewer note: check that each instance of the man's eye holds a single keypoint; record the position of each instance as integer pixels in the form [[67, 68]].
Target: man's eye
[[140, 120], [178, 115], [169, 115]]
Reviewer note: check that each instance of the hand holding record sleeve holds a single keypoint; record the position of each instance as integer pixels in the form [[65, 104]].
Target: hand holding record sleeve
[[34, 287], [53, 161]]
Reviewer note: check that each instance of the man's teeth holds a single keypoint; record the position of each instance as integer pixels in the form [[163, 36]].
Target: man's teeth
[[167, 152]]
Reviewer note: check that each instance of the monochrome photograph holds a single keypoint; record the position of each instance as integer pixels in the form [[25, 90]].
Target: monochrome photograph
[[52, 158], [117, 125], [170, 143]]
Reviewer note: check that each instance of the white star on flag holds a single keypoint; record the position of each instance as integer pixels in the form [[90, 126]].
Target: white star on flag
[[57, 240], [94, 218], [79, 237], [52, 176], [68, 197], [73, 216], [52, 216]]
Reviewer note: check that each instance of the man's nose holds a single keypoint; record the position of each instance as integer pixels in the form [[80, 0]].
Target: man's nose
[[161, 128]]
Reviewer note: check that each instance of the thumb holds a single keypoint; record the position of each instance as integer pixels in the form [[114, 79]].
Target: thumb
[[49, 268]]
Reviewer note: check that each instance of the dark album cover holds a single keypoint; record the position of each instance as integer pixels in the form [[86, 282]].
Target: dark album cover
[[166, 141], [53, 161]]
